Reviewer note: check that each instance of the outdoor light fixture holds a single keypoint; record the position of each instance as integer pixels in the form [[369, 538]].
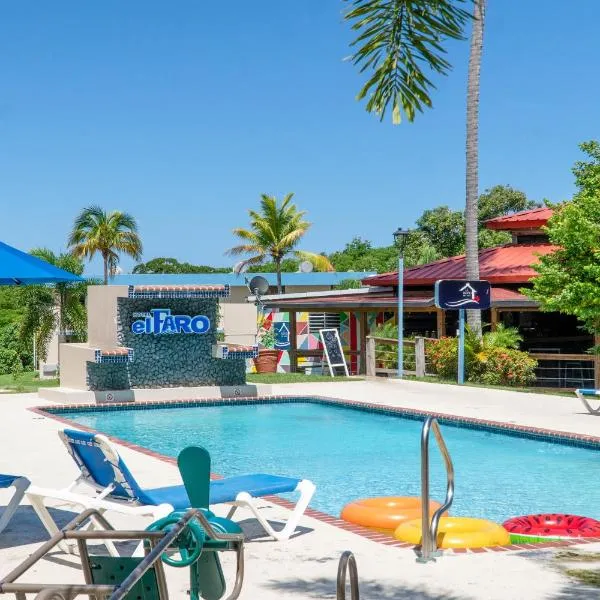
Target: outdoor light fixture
[[400, 237]]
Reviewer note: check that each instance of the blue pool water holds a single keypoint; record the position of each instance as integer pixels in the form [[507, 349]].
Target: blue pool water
[[352, 454]]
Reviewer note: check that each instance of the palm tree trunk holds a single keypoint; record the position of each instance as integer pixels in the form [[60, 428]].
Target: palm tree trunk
[[278, 270], [472, 171], [105, 259]]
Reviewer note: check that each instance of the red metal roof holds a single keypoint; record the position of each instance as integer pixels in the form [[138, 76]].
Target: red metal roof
[[526, 219], [502, 264]]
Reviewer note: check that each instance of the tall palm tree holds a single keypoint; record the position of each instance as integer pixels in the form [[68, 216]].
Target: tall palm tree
[[274, 233], [109, 234], [472, 175], [397, 40], [60, 306]]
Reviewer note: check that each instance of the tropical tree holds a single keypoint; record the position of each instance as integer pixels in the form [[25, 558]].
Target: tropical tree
[[108, 233], [172, 265], [58, 307], [568, 279], [397, 41], [472, 178], [274, 233]]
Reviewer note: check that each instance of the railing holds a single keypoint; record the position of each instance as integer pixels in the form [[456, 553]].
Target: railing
[[382, 356], [347, 565], [565, 370], [429, 529]]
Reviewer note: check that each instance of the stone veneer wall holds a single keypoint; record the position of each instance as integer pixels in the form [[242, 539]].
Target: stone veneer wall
[[167, 360]]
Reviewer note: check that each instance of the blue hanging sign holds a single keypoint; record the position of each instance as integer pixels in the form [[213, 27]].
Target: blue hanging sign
[[160, 321], [458, 294]]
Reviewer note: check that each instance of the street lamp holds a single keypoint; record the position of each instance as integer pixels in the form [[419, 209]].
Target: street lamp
[[400, 236]]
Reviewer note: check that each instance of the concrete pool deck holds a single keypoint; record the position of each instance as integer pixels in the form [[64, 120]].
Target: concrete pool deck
[[305, 566]]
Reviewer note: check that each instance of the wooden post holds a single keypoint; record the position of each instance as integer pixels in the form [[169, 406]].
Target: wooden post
[[362, 362], [441, 323], [293, 342], [370, 357], [420, 356], [493, 318]]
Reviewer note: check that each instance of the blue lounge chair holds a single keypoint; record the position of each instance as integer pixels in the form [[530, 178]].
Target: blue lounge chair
[[20, 484], [105, 472], [583, 395]]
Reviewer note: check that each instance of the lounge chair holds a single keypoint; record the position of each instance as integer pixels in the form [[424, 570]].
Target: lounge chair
[[581, 394], [20, 484], [105, 472]]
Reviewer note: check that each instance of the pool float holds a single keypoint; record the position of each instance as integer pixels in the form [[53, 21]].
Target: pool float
[[457, 532], [548, 527], [384, 513]]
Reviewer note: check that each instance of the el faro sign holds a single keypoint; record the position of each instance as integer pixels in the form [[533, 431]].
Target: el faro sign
[[160, 321]]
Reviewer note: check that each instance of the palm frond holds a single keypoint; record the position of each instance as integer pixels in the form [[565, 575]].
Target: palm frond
[[319, 261], [396, 41]]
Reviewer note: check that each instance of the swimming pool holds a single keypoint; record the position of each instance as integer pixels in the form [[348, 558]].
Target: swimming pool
[[350, 453]]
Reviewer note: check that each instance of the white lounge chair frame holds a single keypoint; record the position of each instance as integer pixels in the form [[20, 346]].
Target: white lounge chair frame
[[20, 484], [102, 501], [582, 396]]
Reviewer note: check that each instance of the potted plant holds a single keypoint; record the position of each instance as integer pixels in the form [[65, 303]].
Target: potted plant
[[268, 356]]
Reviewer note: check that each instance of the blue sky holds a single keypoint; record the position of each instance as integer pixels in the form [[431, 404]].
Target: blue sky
[[183, 113]]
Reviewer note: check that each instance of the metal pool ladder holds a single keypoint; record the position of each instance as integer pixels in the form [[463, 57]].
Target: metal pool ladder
[[347, 564], [429, 529]]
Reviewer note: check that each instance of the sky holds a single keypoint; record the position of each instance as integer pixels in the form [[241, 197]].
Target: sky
[[183, 113]]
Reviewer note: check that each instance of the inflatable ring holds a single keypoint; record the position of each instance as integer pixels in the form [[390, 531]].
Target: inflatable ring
[[545, 527], [384, 513], [457, 532]]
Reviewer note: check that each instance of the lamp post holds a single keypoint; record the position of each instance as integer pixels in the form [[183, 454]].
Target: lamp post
[[400, 236]]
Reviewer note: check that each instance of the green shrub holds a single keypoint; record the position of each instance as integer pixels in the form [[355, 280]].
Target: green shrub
[[506, 366], [492, 359], [9, 361]]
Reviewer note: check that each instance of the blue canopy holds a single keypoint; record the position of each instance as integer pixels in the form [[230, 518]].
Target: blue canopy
[[20, 268]]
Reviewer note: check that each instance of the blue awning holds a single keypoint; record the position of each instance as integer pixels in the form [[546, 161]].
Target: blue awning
[[20, 268]]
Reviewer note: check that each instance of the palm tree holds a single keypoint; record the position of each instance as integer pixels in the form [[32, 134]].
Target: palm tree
[[96, 230], [48, 308], [396, 40], [274, 233], [472, 175]]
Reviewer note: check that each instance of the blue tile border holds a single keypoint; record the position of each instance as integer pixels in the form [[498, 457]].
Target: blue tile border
[[508, 429]]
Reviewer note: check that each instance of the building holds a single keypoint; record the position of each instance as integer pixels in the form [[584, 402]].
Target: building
[[556, 340], [237, 318]]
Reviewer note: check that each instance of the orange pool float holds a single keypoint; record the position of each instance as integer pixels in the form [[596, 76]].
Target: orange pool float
[[384, 513]]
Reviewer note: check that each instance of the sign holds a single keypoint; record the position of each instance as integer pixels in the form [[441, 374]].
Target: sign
[[160, 321], [334, 352], [282, 335], [459, 294]]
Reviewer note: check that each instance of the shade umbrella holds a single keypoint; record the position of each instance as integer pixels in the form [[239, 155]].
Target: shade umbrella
[[20, 268]]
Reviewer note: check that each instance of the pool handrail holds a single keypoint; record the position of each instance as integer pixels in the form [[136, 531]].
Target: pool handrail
[[429, 529], [346, 565]]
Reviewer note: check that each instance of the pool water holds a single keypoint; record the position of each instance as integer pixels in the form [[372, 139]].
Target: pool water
[[352, 454]]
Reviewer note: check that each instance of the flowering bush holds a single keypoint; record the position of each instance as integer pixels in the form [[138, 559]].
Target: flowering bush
[[505, 366], [443, 356], [487, 360]]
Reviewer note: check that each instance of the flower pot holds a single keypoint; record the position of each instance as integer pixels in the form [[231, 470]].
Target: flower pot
[[266, 361]]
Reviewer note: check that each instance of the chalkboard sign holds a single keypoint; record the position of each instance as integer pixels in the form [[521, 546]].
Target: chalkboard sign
[[333, 350]]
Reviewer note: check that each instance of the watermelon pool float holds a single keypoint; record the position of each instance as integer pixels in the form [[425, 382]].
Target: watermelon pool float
[[549, 527]]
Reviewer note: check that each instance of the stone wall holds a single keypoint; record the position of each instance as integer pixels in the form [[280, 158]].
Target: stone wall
[[167, 360]]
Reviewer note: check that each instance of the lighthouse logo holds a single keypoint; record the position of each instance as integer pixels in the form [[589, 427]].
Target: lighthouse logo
[[469, 296]]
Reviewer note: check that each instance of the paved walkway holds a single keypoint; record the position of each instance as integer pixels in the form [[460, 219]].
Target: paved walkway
[[305, 567]]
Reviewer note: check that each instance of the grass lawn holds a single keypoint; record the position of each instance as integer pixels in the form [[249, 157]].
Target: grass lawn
[[26, 382], [294, 378]]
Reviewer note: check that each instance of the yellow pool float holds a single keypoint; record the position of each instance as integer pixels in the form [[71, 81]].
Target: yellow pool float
[[457, 532]]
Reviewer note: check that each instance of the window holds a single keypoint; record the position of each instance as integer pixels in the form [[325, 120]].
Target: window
[[318, 321]]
